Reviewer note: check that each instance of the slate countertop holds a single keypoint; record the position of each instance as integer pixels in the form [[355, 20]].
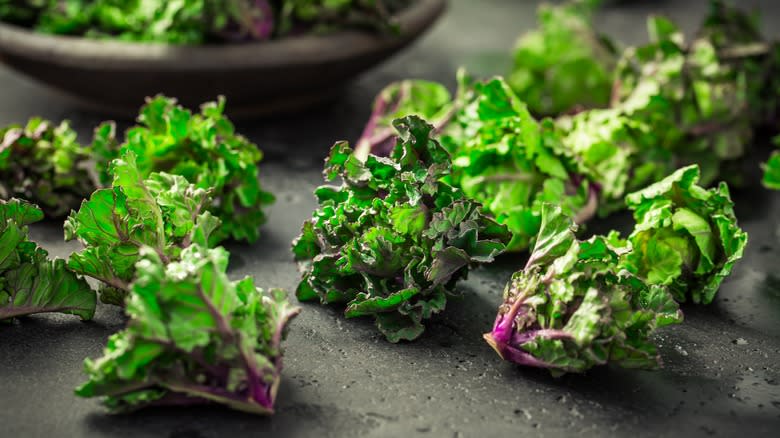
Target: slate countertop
[[341, 379]]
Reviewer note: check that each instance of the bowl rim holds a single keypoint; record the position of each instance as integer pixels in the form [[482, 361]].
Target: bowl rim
[[302, 50]]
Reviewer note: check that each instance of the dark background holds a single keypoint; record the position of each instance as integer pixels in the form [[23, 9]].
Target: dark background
[[342, 379]]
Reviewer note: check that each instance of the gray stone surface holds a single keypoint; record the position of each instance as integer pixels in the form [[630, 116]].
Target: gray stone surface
[[342, 379]]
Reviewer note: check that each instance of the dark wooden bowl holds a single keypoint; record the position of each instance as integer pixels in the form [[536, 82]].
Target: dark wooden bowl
[[257, 78]]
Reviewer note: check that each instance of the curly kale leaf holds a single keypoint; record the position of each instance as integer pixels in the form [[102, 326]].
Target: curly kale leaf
[[29, 281], [203, 148], [193, 336], [572, 307], [44, 164], [393, 239], [162, 211], [686, 237], [564, 64]]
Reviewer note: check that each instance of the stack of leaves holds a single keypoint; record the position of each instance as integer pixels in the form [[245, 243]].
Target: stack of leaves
[[29, 281], [193, 337], [686, 237], [162, 212], [393, 239], [198, 21], [563, 64], [44, 164], [203, 148], [572, 307]]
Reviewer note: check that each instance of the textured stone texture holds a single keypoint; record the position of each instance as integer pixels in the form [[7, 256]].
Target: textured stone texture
[[343, 380]]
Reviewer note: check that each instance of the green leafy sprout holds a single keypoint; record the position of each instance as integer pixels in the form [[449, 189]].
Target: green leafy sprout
[[573, 307], [204, 149], [193, 337], [578, 304], [393, 239]]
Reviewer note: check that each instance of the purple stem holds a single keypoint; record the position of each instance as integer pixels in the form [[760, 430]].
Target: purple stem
[[505, 324], [257, 388], [587, 212], [260, 392], [264, 28], [213, 393], [520, 357], [369, 138], [505, 339]]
